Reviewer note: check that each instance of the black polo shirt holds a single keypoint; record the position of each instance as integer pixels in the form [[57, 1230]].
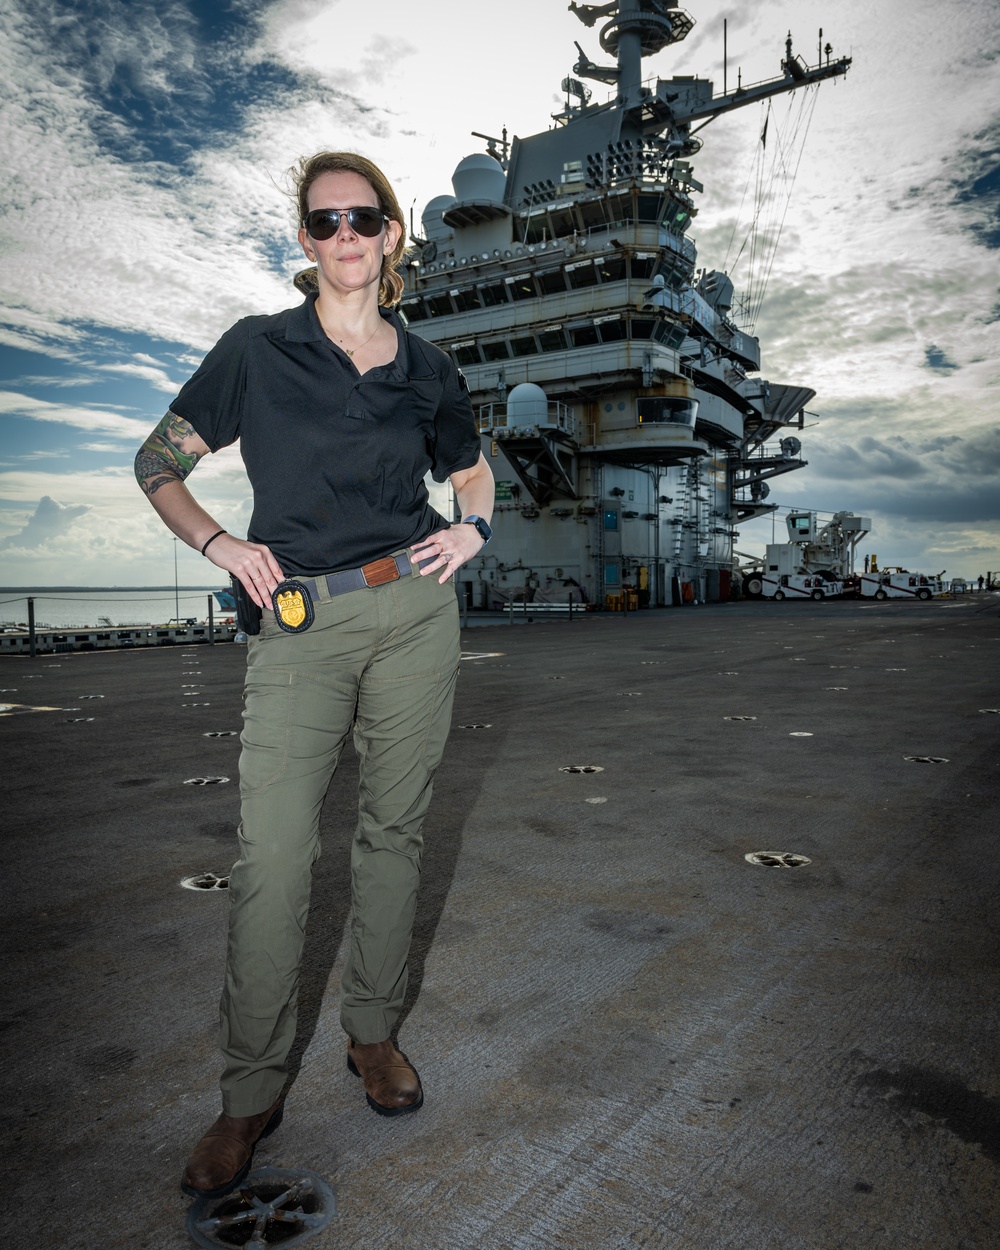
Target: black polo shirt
[[336, 460]]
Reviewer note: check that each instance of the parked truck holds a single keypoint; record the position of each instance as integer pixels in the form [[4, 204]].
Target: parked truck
[[897, 583]]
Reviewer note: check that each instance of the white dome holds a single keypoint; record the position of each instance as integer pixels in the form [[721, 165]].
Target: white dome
[[527, 404], [479, 177], [434, 227]]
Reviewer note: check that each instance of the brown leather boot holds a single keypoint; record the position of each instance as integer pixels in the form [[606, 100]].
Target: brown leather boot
[[222, 1158], [392, 1086]]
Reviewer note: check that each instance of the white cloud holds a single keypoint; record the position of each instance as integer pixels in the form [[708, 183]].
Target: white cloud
[[13, 403], [155, 376], [882, 259], [49, 523]]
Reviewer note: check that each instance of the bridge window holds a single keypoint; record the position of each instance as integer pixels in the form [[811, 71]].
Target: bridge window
[[439, 306], [584, 336], [611, 268], [649, 208], [414, 310], [523, 346], [553, 340], [467, 354], [643, 264], [521, 287], [466, 300], [582, 275], [495, 293], [497, 350], [641, 328], [552, 282], [612, 331]]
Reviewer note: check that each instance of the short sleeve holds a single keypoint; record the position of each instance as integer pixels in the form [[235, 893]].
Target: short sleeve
[[212, 398], [457, 445]]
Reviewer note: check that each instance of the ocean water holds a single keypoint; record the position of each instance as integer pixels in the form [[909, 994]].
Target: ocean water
[[85, 608]]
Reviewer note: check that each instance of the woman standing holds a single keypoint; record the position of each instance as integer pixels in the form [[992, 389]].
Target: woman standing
[[340, 413]]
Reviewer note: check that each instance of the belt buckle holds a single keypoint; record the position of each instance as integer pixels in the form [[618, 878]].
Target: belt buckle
[[380, 571]]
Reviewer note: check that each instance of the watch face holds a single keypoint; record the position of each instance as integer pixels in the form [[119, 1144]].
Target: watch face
[[484, 531]]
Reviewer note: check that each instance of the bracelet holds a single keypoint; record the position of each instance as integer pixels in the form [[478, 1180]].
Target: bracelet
[[217, 534]]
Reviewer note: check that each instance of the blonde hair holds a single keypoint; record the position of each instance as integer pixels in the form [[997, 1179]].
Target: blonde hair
[[305, 173]]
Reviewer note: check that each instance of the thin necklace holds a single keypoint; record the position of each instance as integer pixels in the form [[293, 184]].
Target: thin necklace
[[350, 351]]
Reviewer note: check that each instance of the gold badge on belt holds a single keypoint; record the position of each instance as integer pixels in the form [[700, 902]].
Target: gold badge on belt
[[293, 608]]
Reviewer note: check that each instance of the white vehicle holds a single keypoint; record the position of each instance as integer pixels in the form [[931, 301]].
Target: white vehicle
[[900, 584], [817, 562], [799, 586]]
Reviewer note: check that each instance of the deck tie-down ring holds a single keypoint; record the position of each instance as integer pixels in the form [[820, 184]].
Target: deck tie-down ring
[[273, 1207]]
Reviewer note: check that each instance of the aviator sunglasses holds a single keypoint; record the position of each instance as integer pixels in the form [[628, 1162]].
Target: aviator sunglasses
[[323, 223]]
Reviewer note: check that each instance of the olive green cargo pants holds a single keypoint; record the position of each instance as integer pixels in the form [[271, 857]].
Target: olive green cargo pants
[[382, 661]]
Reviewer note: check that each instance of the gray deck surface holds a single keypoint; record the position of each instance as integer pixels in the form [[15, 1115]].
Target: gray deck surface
[[628, 1035]]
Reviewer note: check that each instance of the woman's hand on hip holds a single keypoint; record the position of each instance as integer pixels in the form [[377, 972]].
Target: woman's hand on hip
[[451, 548], [252, 563]]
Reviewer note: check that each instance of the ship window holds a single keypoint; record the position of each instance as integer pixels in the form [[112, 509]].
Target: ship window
[[649, 208], [611, 268], [464, 300], [643, 266], [611, 575], [592, 213], [612, 331], [584, 336], [620, 209], [522, 287], [439, 306], [495, 351], [585, 275], [467, 355], [676, 217], [523, 346], [80, 637], [552, 340], [676, 277], [562, 222], [414, 310], [495, 293], [552, 282], [669, 335], [666, 410], [610, 518], [641, 328]]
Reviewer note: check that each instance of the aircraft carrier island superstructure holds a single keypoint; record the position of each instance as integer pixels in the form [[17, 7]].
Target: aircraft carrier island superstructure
[[620, 405]]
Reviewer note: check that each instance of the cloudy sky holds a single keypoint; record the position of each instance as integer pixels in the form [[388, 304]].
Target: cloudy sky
[[143, 210]]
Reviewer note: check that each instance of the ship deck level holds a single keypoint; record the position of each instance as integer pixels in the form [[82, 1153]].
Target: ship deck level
[[628, 1034]]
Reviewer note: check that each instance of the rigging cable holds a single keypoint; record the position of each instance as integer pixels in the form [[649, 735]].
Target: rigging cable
[[755, 309], [763, 234]]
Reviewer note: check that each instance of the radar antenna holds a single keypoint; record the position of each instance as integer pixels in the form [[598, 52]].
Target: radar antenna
[[499, 149]]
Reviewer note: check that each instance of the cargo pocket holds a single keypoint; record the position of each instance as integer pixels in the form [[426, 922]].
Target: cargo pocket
[[266, 728]]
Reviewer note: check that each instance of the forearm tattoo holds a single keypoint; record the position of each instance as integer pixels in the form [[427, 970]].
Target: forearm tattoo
[[163, 457]]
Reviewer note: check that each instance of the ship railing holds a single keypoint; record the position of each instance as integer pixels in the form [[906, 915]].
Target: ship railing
[[556, 415]]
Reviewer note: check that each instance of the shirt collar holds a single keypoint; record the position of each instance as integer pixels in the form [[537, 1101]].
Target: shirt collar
[[303, 327]]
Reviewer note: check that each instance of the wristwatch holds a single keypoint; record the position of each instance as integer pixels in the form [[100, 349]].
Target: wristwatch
[[483, 530]]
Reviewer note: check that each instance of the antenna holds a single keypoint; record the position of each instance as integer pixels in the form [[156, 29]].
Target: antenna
[[725, 53]]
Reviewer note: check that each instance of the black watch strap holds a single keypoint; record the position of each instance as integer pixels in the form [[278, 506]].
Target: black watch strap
[[483, 530]]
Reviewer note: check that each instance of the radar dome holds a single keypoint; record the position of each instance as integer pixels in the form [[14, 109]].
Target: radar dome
[[434, 228], [527, 404], [479, 177]]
